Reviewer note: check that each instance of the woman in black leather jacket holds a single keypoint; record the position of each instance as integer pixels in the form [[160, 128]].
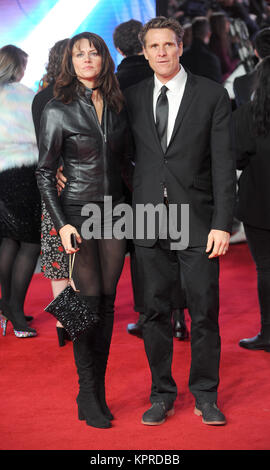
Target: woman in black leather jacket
[[86, 125]]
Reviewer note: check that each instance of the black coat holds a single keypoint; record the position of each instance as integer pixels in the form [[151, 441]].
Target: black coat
[[133, 70], [39, 102], [243, 87], [199, 59], [253, 158], [198, 167]]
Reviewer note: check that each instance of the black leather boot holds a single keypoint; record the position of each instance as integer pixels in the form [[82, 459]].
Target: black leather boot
[[89, 408], [101, 349], [180, 330], [261, 341]]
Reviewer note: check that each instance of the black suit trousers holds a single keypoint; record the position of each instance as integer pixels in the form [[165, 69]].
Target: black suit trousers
[[201, 279]]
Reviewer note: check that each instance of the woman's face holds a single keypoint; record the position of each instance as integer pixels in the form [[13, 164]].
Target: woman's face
[[86, 62]]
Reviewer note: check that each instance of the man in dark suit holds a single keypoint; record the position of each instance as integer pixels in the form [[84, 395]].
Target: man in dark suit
[[180, 124], [243, 86], [198, 58], [134, 68]]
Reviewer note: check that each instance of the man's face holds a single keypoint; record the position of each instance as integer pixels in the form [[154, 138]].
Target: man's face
[[163, 52]]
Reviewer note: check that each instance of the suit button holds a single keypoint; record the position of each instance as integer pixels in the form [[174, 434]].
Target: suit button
[[165, 160]]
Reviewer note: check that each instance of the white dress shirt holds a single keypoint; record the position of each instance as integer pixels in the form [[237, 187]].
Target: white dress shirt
[[176, 87]]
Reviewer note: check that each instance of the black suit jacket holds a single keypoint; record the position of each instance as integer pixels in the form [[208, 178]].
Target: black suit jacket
[[198, 167], [199, 59], [252, 154], [243, 87]]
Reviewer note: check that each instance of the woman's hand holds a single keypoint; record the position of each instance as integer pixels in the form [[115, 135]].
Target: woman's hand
[[65, 234]]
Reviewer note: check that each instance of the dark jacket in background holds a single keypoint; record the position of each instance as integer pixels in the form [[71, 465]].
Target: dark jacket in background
[[201, 61], [243, 87], [252, 156], [132, 70], [39, 102]]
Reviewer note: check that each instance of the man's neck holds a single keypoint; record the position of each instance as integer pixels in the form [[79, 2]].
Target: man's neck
[[165, 80]]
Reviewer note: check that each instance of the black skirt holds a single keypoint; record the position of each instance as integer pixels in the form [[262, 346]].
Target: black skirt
[[20, 206]]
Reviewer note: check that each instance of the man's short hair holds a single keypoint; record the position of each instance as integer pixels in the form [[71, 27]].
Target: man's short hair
[[262, 42], [161, 22], [200, 27], [125, 37]]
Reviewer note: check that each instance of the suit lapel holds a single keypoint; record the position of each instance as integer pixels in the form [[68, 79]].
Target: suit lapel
[[185, 103]]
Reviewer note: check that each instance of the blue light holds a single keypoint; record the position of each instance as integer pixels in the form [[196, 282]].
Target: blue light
[[44, 23]]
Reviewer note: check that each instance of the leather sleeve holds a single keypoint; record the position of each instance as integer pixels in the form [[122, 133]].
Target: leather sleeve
[[50, 146]]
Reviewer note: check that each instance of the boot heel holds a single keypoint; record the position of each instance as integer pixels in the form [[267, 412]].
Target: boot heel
[[61, 336], [3, 322], [92, 415]]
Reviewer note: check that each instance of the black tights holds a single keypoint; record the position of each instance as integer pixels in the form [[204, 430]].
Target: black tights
[[98, 266], [17, 264]]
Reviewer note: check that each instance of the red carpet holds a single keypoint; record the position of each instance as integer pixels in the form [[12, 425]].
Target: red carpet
[[39, 382]]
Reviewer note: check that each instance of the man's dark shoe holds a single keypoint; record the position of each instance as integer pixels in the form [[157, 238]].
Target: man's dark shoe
[[256, 343], [180, 330], [135, 329], [210, 413], [157, 414]]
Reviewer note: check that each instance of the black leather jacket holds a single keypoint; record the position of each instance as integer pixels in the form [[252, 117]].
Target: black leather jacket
[[95, 157]]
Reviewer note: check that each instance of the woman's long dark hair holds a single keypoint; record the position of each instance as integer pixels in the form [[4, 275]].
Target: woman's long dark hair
[[260, 103], [67, 86]]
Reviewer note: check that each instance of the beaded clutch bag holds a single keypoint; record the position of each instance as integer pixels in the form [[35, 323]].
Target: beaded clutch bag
[[71, 310]]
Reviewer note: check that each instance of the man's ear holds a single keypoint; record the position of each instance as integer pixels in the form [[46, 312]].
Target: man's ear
[[180, 47]]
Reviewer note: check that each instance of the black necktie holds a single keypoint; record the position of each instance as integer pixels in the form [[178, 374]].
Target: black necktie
[[162, 108]]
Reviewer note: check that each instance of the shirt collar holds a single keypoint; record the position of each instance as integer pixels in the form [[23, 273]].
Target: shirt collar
[[175, 84]]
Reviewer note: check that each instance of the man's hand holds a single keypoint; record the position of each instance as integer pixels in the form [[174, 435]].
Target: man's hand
[[61, 180], [218, 242]]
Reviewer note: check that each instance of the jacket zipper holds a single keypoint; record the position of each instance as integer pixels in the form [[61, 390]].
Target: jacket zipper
[[104, 135]]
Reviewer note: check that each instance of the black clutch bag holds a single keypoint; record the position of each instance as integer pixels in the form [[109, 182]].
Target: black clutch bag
[[71, 310]]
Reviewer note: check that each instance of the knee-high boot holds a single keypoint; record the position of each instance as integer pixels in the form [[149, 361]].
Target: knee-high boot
[[102, 347], [89, 408]]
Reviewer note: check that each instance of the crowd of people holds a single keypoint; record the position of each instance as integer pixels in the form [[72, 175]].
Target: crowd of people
[[160, 130]]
